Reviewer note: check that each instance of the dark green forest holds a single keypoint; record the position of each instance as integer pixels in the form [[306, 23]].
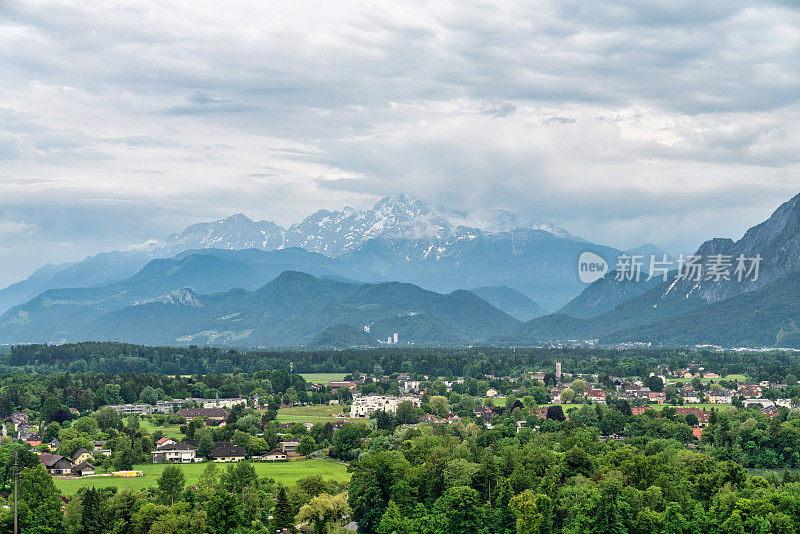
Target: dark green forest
[[475, 362]]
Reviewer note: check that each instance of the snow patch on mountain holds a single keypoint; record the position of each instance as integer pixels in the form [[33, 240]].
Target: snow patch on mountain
[[334, 233]]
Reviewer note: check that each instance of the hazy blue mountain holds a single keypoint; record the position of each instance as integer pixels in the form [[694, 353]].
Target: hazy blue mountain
[[61, 313], [99, 269], [536, 263], [606, 294], [635, 311], [399, 237], [340, 336], [510, 301], [30, 287], [679, 302], [296, 307], [766, 317]]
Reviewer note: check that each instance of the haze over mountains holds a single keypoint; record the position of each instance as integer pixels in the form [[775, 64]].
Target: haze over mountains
[[399, 238], [290, 310], [727, 312], [401, 266]]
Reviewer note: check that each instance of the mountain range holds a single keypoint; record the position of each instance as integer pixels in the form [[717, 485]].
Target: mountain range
[[293, 309], [399, 238], [403, 266], [755, 311]]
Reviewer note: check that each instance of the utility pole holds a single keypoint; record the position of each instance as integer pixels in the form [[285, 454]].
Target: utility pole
[[16, 492]]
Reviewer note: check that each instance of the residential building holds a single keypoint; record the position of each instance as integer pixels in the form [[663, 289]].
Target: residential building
[[227, 452], [411, 386], [484, 413], [702, 415], [165, 441], [81, 455], [369, 404], [19, 418], [26, 432], [132, 409], [596, 395], [175, 453], [335, 384], [223, 403], [55, 464], [764, 403], [213, 414], [274, 455], [83, 469], [288, 446], [719, 398]]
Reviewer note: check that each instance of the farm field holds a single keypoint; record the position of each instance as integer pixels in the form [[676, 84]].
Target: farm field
[[284, 472], [312, 413], [323, 378]]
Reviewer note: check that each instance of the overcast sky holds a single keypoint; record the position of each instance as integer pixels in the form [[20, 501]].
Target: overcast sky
[[621, 121]]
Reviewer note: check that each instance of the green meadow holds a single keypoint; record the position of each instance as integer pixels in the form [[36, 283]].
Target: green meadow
[[312, 413], [284, 472], [323, 378]]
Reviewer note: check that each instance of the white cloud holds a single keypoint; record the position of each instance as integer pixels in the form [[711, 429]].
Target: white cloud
[[622, 121]]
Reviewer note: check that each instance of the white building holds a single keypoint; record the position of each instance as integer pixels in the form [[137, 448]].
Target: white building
[[410, 386], [133, 409], [721, 398], [176, 453], [223, 403], [369, 404]]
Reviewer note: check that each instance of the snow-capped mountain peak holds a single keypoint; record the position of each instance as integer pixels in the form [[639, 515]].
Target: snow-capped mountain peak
[[337, 232]]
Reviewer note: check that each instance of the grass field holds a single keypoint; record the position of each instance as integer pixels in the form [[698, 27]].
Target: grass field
[[169, 430], [323, 378], [313, 413], [285, 472]]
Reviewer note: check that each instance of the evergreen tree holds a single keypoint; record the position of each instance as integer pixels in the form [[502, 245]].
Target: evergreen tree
[[282, 517], [94, 517]]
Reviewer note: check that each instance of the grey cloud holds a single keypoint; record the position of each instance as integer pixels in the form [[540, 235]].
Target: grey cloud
[[164, 115], [558, 120], [501, 111]]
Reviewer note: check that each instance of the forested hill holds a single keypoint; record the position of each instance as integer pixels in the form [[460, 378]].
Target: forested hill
[[288, 311]]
